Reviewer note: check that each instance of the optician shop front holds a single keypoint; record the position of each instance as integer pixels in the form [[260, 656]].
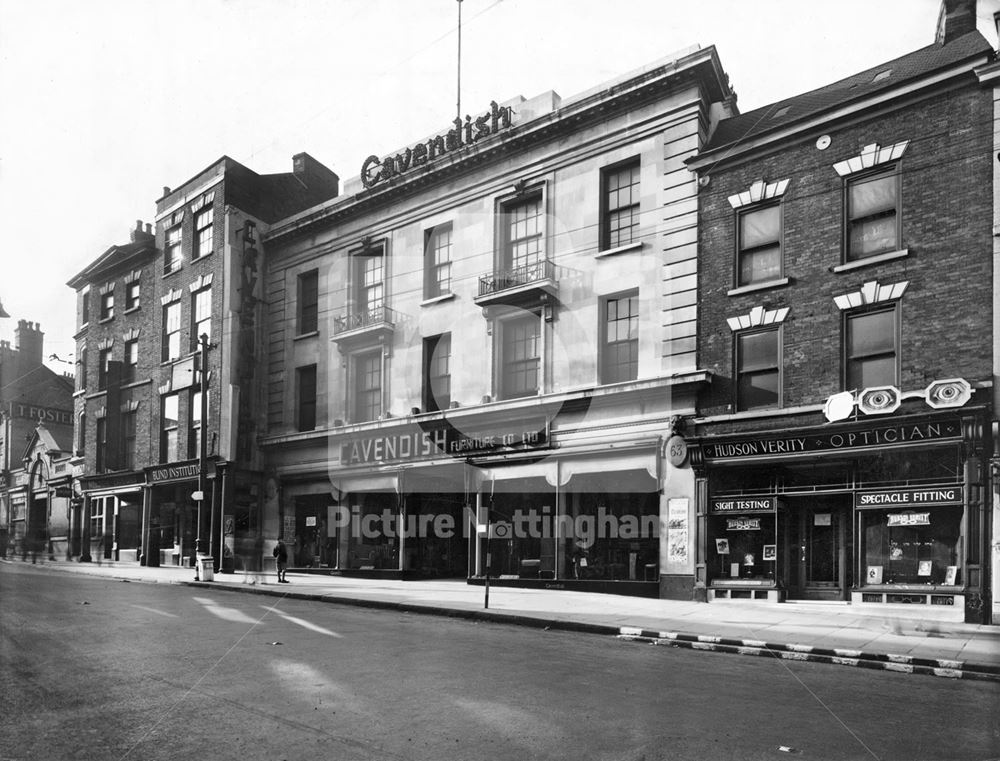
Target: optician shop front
[[880, 512]]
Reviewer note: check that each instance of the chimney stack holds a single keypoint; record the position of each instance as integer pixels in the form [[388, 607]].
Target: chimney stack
[[139, 235], [28, 340], [956, 17], [314, 176]]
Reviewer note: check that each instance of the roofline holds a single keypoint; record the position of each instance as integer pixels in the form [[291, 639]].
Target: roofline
[[87, 273], [588, 101], [812, 121], [220, 160]]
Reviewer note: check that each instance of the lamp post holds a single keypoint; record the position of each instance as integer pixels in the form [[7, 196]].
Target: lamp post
[[202, 447]]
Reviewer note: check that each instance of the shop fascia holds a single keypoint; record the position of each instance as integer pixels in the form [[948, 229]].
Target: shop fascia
[[376, 170]]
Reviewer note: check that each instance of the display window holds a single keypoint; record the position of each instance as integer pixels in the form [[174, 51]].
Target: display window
[[743, 546], [914, 546]]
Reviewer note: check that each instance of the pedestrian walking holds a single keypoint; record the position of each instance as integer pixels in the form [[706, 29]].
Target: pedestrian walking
[[281, 556]]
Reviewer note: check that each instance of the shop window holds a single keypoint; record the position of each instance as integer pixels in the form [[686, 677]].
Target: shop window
[[743, 546], [100, 507], [171, 342], [437, 372], [132, 291], [758, 369], [103, 363], [918, 546], [203, 223], [871, 345], [101, 460], [129, 420], [373, 548], [437, 257], [523, 237], [108, 305], [172, 250], [308, 303], [201, 316], [520, 357], [367, 386], [620, 338], [129, 368], [759, 257], [620, 212], [305, 378], [169, 419], [873, 214]]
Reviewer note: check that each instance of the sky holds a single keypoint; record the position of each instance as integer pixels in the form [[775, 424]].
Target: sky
[[105, 102]]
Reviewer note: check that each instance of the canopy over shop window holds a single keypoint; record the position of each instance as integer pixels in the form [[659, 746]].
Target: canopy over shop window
[[623, 473]]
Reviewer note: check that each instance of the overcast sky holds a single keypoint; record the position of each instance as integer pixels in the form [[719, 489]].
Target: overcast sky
[[104, 102]]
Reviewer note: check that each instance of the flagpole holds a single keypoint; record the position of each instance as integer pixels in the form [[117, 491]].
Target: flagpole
[[458, 102]]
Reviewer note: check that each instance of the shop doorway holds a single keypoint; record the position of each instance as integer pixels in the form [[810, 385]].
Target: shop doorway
[[818, 536]]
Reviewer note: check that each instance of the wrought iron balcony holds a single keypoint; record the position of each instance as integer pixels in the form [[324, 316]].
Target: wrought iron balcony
[[365, 325], [523, 285]]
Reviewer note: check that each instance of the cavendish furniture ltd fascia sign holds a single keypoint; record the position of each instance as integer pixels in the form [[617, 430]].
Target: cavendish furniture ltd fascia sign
[[744, 505], [833, 441], [939, 495], [375, 170]]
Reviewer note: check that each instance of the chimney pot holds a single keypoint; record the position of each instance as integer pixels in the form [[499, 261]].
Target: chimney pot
[[166, 190], [149, 228]]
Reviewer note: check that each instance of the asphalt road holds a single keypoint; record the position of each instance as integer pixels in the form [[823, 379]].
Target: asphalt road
[[100, 669]]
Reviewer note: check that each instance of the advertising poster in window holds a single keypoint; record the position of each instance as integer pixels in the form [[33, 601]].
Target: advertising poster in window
[[678, 551]]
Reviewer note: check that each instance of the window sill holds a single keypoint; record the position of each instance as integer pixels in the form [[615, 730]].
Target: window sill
[[302, 336], [174, 271], [877, 259], [759, 286], [203, 256], [437, 299], [105, 319], [132, 309], [619, 250]]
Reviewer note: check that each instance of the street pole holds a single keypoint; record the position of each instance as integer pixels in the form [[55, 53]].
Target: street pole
[[489, 537], [202, 443]]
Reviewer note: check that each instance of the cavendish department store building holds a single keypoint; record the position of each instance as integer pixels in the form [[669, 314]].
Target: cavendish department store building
[[479, 354]]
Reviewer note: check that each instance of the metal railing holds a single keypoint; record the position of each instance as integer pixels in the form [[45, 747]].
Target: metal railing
[[380, 316], [514, 277]]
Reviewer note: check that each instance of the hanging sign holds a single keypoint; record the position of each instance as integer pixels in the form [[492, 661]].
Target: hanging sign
[[910, 519], [743, 524]]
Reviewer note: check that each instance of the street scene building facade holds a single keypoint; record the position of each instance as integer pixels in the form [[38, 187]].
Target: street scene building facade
[[843, 448], [629, 341]]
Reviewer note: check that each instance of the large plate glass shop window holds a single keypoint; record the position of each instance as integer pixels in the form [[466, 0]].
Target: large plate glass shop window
[[911, 536], [742, 544]]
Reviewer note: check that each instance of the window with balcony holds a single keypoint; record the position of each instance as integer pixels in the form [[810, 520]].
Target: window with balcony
[[169, 420], [308, 303], [871, 348], [758, 369], [758, 258], [367, 386], [172, 251], [620, 205], [370, 271], [203, 224], [523, 235], [873, 214], [437, 258], [437, 372], [520, 356], [171, 341], [305, 398], [620, 338]]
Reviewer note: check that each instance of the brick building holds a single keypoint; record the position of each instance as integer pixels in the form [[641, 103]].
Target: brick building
[[157, 466], [845, 313]]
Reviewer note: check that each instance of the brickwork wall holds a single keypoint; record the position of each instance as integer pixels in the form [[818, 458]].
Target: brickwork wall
[[946, 212]]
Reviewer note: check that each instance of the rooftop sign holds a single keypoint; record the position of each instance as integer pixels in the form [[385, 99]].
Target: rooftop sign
[[375, 170]]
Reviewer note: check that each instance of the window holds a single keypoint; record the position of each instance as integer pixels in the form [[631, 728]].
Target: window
[[85, 306], [203, 232], [194, 430], [102, 445], [131, 361], [201, 316], [519, 356], [437, 256], [308, 302], [759, 245], [103, 363], [370, 271], [108, 305], [128, 439], [871, 347], [620, 223], [873, 214], [169, 417], [306, 398], [620, 329], [81, 434], [437, 372], [368, 386], [172, 253], [758, 370], [171, 331], [523, 234], [132, 295], [83, 367]]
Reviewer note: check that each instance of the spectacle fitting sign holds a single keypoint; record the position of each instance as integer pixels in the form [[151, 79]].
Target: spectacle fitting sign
[[948, 495], [375, 170]]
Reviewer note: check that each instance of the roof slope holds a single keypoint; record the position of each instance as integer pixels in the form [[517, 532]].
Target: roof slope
[[785, 113]]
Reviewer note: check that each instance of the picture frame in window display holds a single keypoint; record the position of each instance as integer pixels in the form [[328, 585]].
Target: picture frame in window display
[[770, 552], [951, 576], [874, 575], [924, 568], [722, 546]]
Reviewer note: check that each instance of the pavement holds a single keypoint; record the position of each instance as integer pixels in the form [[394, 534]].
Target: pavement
[[901, 640]]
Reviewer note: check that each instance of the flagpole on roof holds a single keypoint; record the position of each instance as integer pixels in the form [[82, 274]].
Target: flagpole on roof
[[458, 103]]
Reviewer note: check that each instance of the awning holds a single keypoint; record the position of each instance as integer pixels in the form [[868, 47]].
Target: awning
[[637, 472], [520, 478]]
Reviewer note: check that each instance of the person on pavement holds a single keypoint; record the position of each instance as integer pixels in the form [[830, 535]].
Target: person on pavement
[[281, 555]]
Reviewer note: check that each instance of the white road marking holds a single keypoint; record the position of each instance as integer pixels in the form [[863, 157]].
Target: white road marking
[[302, 622]]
